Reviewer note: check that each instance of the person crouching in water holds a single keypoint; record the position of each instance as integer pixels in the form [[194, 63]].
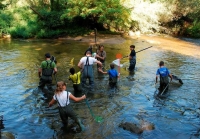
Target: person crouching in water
[[164, 73], [65, 110], [113, 75], [76, 79]]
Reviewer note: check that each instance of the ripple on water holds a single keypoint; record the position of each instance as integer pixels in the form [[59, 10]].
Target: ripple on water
[[27, 115]]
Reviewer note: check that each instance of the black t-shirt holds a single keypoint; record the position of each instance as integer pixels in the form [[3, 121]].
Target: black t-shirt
[[132, 54]]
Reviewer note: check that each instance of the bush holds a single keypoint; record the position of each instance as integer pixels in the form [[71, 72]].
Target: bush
[[194, 30]]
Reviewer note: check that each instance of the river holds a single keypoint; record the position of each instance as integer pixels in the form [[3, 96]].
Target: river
[[26, 113]]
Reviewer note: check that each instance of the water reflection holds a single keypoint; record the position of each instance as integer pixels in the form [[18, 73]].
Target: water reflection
[[26, 111]]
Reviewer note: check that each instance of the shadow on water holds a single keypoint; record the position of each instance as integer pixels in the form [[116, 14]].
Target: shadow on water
[[27, 115]]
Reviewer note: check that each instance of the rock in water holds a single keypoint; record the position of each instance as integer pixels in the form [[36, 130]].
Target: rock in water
[[131, 127]]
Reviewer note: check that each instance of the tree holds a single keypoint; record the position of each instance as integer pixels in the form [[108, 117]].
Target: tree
[[110, 13]]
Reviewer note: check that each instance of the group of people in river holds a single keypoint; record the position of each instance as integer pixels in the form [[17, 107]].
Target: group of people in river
[[79, 79]]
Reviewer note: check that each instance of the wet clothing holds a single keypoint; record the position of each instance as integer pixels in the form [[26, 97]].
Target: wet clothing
[[113, 76], [163, 72], [132, 61], [65, 110], [47, 71], [76, 79], [87, 72], [101, 54]]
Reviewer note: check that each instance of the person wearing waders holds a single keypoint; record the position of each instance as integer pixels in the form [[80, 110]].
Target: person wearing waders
[[164, 73], [132, 59], [101, 55], [76, 80], [86, 64], [89, 49], [47, 68], [62, 97], [113, 75]]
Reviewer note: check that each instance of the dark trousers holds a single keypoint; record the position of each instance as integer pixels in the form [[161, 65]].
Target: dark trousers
[[66, 112], [132, 66], [88, 74], [113, 82], [45, 80], [163, 83], [77, 90]]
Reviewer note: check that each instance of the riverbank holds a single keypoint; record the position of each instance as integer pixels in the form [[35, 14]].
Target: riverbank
[[182, 46], [100, 39]]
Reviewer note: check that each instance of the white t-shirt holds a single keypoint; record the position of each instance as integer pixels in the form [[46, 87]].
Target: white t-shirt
[[91, 60], [62, 98]]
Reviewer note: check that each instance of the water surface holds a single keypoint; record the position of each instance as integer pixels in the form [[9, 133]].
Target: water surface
[[25, 109]]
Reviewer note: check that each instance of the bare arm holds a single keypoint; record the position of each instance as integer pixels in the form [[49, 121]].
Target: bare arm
[[170, 75], [55, 70], [102, 58], [40, 72], [98, 62], [76, 99], [100, 70], [156, 78], [52, 102], [80, 65]]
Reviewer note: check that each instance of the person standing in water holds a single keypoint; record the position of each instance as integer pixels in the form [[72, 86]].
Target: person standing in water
[[86, 64], [132, 59], [164, 73], [76, 79], [45, 72], [113, 75], [101, 55], [62, 97]]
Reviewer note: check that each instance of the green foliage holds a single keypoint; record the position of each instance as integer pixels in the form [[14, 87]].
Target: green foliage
[[194, 30], [49, 33], [5, 21], [53, 18], [24, 24], [109, 13]]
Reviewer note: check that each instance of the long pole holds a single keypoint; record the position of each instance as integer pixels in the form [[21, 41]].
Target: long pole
[[144, 49], [139, 51], [89, 108], [165, 89], [95, 37]]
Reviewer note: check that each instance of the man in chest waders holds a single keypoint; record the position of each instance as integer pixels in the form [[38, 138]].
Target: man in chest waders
[[164, 73], [86, 64], [47, 68]]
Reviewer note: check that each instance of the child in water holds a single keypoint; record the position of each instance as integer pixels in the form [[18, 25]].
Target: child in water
[[132, 58], [76, 79], [113, 75], [65, 110], [164, 73]]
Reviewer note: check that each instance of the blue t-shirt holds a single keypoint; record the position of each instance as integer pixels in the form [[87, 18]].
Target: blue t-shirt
[[112, 73], [163, 72]]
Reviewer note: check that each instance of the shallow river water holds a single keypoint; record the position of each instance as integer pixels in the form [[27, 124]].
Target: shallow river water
[[25, 109]]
